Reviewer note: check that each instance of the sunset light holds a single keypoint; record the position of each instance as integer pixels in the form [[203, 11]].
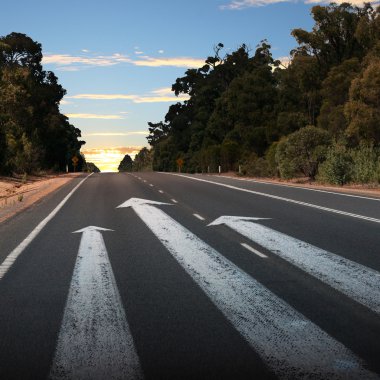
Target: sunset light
[[108, 159]]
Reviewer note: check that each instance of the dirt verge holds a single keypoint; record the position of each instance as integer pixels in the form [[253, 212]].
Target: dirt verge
[[17, 194], [361, 190]]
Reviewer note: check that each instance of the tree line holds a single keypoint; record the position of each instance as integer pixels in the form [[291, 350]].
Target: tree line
[[316, 116], [141, 162], [34, 134]]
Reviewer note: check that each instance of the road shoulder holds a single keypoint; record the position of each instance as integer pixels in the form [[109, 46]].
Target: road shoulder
[[16, 197]]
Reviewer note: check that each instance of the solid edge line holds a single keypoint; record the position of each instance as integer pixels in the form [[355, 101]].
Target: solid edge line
[[332, 210], [300, 187], [12, 257], [247, 246]]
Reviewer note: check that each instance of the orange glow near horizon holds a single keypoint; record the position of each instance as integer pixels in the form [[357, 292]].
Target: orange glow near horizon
[[108, 159]]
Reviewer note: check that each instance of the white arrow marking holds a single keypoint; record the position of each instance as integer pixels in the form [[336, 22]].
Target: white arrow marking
[[290, 344], [358, 282], [94, 341]]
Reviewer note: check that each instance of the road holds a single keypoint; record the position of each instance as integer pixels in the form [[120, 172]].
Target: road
[[165, 276]]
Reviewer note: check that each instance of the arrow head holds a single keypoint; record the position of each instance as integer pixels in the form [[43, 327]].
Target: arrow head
[[91, 228], [139, 201], [230, 219]]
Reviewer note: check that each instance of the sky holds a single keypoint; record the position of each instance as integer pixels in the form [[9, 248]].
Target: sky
[[117, 59]]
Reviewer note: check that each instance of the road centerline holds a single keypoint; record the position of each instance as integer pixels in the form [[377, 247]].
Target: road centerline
[[253, 250], [199, 217], [289, 343]]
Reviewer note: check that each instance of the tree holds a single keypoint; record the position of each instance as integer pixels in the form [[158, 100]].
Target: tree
[[333, 38], [302, 151], [125, 164], [143, 160], [92, 168], [34, 134], [335, 93], [363, 108]]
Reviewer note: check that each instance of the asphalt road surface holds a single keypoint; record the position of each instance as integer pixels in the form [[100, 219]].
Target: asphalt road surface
[[166, 276]]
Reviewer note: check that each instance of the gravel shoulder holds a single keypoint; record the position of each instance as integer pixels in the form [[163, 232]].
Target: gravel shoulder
[[361, 190], [16, 194]]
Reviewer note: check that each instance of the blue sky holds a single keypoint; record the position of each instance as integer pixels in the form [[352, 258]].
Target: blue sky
[[118, 59]]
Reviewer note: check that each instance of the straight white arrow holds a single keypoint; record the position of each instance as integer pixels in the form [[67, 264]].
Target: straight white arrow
[[357, 281], [94, 341], [290, 344]]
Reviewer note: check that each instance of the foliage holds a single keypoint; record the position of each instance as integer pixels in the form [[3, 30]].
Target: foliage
[[302, 151], [33, 133], [366, 163], [247, 109], [337, 168], [357, 165], [143, 160], [92, 168], [125, 164], [256, 166]]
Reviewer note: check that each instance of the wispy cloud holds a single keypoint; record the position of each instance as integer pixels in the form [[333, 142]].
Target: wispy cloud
[[102, 96], [174, 62], [64, 102], [244, 4], [92, 116], [67, 62], [156, 96]]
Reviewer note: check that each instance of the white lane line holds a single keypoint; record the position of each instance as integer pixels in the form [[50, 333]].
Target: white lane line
[[357, 216], [303, 188], [174, 201], [145, 180], [140, 178], [160, 191], [151, 185], [95, 341], [199, 217], [356, 281], [12, 257], [255, 251], [289, 343]]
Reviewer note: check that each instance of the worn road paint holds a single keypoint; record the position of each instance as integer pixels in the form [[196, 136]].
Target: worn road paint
[[12, 257], [253, 250], [356, 281], [199, 217], [94, 341], [357, 216], [290, 344]]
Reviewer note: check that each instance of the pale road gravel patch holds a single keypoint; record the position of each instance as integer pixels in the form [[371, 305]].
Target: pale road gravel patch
[[16, 196]]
